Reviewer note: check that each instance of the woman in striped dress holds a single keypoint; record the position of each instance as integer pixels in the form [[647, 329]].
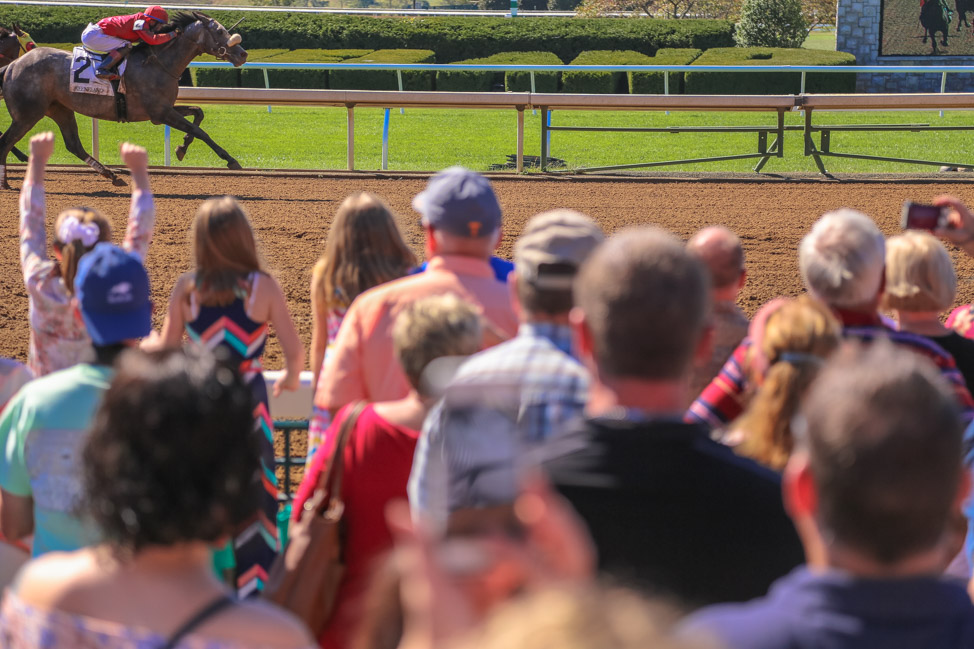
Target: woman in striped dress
[[226, 305]]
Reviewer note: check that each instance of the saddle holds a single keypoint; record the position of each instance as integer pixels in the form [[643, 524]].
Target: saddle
[[82, 79]]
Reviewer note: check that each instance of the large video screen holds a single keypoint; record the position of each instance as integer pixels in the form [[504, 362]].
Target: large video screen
[[927, 28]]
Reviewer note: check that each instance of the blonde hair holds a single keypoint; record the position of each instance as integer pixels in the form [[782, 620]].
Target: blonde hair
[[364, 249], [797, 339], [71, 253], [224, 250], [431, 328], [919, 273], [586, 617]]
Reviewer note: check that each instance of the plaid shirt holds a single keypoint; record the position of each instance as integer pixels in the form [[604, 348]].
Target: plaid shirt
[[503, 401], [724, 399]]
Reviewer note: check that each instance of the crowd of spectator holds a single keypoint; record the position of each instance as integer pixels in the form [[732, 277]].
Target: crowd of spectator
[[589, 447]]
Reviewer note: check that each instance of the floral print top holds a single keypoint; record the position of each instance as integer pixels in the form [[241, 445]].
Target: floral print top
[[23, 626], [58, 339]]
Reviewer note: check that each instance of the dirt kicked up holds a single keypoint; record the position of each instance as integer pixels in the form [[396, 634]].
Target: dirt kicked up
[[291, 215]]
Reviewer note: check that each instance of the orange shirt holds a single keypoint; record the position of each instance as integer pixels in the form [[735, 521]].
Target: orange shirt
[[364, 365]]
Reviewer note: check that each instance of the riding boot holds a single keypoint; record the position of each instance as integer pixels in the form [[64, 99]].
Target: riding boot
[[106, 69]]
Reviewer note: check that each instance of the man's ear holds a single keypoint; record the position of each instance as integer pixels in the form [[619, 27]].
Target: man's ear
[[742, 280], [582, 337], [500, 237], [963, 490], [432, 245], [798, 488], [512, 286]]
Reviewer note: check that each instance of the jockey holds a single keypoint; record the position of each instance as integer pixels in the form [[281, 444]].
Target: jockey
[[114, 36]]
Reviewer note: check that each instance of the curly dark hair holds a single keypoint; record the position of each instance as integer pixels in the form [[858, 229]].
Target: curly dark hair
[[172, 455]]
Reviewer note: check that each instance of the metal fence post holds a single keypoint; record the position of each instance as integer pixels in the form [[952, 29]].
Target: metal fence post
[[385, 141], [943, 88], [267, 84], [531, 75], [666, 85], [350, 138], [94, 138], [402, 111], [168, 153], [519, 166]]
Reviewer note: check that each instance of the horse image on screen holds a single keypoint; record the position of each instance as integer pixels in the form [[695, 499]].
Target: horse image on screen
[[927, 28]]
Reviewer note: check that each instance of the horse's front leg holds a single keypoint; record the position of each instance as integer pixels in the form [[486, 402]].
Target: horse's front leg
[[174, 119], [197, 114]]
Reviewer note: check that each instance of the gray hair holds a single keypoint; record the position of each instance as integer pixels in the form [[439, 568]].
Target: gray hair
[[842, 258]]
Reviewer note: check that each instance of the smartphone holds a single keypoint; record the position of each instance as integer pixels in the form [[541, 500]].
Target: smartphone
[[917, 216]]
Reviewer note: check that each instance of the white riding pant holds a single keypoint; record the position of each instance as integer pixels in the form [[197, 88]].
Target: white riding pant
[[97, 41]]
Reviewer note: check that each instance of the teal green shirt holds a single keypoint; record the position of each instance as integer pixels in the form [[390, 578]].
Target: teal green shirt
[[42, 437]]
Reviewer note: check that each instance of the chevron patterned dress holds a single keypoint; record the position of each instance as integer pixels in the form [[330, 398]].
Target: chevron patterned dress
[[230, 327]]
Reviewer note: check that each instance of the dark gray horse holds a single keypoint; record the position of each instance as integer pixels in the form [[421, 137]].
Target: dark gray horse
[[36, 85], [935, 17], [963, 7]]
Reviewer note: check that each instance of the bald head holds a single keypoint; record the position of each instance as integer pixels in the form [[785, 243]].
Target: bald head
[[721, 252]]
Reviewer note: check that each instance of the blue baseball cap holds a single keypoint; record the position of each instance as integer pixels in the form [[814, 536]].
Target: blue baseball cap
[[461, 202], [112, 288]]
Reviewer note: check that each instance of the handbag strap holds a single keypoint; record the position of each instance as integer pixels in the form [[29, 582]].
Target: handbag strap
[[328, 492]]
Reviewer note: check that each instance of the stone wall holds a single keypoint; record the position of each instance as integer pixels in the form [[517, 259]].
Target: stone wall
[[857, 32]]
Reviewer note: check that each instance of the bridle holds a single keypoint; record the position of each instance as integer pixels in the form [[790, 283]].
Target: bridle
[[221, 53]]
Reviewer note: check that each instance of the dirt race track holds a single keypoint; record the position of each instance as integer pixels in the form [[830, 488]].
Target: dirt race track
[[291, 215]]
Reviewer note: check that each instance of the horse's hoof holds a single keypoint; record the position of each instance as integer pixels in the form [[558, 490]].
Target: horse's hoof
[[233, 164], [180, 153], [118, 182]]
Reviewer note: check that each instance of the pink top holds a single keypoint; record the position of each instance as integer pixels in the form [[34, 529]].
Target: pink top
[[363, 364], [378, 459], [58, 339]]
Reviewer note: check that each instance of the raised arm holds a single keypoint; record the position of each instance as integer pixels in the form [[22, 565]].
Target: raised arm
[[33, 241], [142, 213], [287, 334], [319, 332]]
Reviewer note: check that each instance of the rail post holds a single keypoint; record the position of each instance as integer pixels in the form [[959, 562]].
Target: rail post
[[943, 88], [531, 75], [519, 166], [267, 84], [167, 148], [385, 140], [402, 111], [544, 138], [666, 85], [350, 138], [94, 137]]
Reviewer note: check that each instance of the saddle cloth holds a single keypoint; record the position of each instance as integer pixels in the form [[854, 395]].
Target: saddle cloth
[[82, 76]]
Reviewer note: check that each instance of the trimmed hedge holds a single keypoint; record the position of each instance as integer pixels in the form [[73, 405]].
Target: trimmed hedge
[[602, 82], [385, 79], [216, 77], [747, 83], [512, 81], [653, 83], [310, 79], [453, 38]]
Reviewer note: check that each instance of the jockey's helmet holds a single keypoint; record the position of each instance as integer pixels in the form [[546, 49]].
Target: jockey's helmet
[[157, 13]]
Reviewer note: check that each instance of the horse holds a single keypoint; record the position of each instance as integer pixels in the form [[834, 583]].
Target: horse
[[10, 49], [963, 7], [36, 85], [934, 17]]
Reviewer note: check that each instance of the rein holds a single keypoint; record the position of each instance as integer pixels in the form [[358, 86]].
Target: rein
[[152, 57]]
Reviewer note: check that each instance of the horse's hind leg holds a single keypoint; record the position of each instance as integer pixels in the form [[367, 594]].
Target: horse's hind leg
[[197, 114], [65, 120], [177, 121], [11, 136]]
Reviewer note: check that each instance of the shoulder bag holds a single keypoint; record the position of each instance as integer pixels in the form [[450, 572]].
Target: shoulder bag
[[305, 577]]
